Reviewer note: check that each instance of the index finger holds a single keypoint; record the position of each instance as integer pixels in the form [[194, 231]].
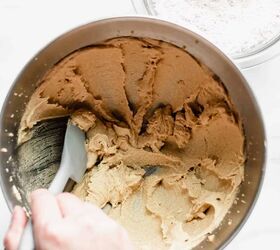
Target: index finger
[[69, 204], [44, 208]]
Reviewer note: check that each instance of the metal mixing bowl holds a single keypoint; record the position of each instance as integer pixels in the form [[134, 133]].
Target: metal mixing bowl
[[101, 30]]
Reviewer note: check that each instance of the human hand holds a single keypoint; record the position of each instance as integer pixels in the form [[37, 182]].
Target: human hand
[[64, 222]]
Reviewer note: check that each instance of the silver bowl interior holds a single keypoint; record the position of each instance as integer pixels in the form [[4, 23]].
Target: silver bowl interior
[[205, 52]]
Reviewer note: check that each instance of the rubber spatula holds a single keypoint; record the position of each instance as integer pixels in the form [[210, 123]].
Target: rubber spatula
[[73, 166]]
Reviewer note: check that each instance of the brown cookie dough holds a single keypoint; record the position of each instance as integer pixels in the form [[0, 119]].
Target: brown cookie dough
[[146, 103]]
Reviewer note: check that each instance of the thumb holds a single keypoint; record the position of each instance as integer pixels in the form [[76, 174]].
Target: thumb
[[13, 235]]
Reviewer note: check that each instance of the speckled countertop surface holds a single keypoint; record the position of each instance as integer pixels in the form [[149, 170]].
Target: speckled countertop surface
[[26, 26]]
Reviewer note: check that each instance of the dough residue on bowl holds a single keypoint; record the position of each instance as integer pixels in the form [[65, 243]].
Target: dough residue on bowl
[[164, 142]]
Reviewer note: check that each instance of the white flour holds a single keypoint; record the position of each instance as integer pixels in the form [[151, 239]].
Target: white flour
[[238, 27]]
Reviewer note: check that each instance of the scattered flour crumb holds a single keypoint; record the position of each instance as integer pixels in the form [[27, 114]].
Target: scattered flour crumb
[[16, 193], [211, 237], [4, 150]]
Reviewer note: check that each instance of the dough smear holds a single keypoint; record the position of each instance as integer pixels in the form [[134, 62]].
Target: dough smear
[[164, 142]]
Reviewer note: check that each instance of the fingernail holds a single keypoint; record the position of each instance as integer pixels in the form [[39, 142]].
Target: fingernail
[[15, 211], [16, 208], [38, 192]]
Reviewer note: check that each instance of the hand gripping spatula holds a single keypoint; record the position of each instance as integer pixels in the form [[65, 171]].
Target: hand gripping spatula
[[72, 166]]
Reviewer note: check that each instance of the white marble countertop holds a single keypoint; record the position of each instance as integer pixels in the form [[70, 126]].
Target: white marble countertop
[[27, 25]]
